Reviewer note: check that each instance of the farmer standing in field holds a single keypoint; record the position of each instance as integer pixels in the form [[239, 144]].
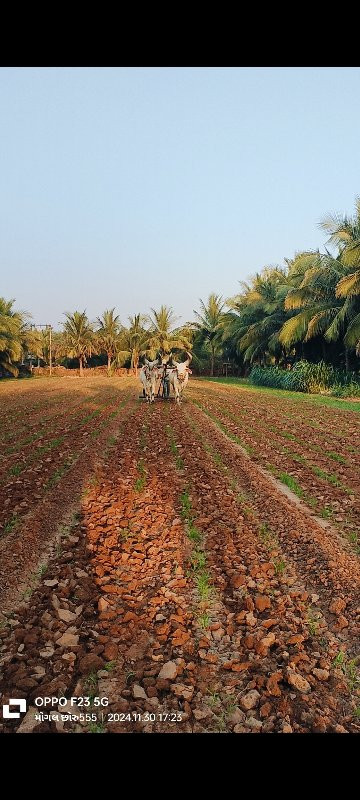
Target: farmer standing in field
[[165, 377]]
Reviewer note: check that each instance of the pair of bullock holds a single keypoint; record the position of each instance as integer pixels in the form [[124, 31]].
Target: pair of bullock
[[177, 377]]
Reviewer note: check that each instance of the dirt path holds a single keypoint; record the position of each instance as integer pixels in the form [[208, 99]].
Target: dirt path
[[191, 596]]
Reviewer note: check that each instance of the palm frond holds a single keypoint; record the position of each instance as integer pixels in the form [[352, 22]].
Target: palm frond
[[352, 336], [349, 285], [295, 329]]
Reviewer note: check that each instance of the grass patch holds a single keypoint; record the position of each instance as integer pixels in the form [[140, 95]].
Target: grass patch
[[16, 469], [198, 560], [88, 417], [280, 566], [91, 483], [352, 674], [90, 686], [10, 524], [141, 481], [110, 666], [336, 457], [204, 620], [214, 697], [313, 622], [174, 448], [186, 506], [339, 660], [353, 537], [326, 476], [349, 667], [97, 727], [297, 458], [55, 442], [268, 537], [203, 585], [193, 533], [218, 460], [40, 451], [289, 481], [56, 477], [95, 433], [76, 518], [125, 533]]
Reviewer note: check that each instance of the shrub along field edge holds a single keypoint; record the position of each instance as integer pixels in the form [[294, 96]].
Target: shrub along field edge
[[308, 377]]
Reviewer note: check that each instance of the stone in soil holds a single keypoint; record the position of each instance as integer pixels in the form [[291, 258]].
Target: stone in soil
[[138, 692], [250, 700], [297, 681], [168, 671], [68, 640], [90, 663]]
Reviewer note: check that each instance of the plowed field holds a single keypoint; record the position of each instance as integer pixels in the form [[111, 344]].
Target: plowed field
[[186, 569]]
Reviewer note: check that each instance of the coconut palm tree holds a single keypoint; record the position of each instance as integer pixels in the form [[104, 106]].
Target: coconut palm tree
[[12, 335], [352, 336], [345, 233], [314, 295], [267, 295], [31, 341], [163, 336], [79, 339], [209, 324], [108, 334], [200, 353], [133, 342], [257, 316], [323, 313]]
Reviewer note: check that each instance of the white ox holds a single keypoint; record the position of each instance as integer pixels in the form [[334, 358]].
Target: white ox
[[179, 377], [148, 376]]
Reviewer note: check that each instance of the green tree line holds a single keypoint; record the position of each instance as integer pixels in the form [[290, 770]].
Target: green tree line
[[306, 309]]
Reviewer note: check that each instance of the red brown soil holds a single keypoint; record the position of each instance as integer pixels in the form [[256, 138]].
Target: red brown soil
[[259, 653], [264, 424], [48, 491]]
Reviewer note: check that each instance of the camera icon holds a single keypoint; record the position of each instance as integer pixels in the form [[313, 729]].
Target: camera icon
[[7, 714]]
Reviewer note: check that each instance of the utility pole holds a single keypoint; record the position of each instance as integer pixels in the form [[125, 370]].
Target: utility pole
[[50, 353]]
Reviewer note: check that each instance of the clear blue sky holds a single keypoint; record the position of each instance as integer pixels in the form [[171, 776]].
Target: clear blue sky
[[137, 187]]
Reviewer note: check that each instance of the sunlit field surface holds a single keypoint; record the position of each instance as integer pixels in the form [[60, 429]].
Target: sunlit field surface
[[197, 565]]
